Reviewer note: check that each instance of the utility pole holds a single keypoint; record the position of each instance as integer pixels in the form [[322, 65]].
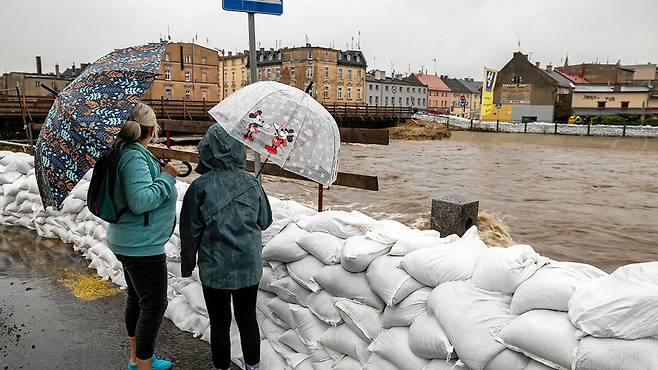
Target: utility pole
[[254, 75]]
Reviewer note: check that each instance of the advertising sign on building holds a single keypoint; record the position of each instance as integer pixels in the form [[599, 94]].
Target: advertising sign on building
[[254, 6], [515, 94], [488, 84]]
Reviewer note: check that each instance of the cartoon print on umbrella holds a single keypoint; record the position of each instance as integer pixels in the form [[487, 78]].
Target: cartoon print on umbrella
[[282, 136], [253, 127]]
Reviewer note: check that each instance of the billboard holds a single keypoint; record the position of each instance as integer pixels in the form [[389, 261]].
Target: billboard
[[515, 94], [488, 84]]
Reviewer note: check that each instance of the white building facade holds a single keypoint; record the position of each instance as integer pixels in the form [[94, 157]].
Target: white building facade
[[382, 91]]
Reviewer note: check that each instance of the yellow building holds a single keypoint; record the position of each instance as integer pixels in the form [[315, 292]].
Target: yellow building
[[606, 100], [233, 72], [338, 76], [188, 72]]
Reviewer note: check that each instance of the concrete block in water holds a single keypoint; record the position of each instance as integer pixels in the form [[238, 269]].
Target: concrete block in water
[[453, 214]]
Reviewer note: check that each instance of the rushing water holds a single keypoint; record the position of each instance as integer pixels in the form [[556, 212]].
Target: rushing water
[[592, 205]]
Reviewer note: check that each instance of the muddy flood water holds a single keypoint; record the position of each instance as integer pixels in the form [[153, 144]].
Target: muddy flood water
[[593, 205]]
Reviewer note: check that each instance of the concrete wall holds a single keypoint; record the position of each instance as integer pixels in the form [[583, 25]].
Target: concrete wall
[[612, 99], [600, 73], [544, 113]]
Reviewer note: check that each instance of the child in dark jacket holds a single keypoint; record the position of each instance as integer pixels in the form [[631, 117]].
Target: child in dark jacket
[[221, 220]]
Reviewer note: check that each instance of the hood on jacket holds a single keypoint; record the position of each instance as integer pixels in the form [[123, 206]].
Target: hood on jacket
[[219, 151]]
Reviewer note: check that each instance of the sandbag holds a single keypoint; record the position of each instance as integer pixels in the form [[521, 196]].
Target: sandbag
[[543, 335], [343, 339], [428, 340], [393, 346], [450, 262], [552, 286], [194, 296], [409, 244], [266, 279], [408, 310], [291, 339], [364, 320], [622, 305], [303, 270], [338, 223], [390, 231], [504, 269], [360, 251], [290, 291], [340, 283], [325, 247], [390, 282], [269, 358], [534, 365], [508, 360], [616, 354], [322, 304], [376, 362], [283, 247], [468, 315], [347, 363], [444, 365], [308, 327], [281, 312]]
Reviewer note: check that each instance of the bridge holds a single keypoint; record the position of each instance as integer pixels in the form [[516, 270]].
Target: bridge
[[35, 109]]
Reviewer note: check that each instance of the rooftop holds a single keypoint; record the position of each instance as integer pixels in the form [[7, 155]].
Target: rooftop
[[393, 81], [474, 86], [433, 82], [561, 80]]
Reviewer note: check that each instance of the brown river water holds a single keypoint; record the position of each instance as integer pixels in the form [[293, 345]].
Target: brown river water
[[570, 202]]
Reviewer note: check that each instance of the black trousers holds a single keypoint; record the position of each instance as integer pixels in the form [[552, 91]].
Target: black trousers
[[146, 278], [218, 302]]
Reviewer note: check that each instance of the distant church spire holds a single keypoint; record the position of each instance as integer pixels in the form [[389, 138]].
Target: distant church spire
[[566, 60]]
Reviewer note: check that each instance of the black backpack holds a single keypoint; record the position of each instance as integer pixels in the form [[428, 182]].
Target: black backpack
[[100, 197]]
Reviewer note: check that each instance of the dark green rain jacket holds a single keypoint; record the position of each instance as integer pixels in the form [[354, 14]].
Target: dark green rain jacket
[[223, 214]]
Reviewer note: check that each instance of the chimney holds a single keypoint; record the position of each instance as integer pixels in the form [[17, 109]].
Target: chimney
[[230, 53], [57, 70], [549, 68], [308, 44], [537, 64], [73, 67], [39, 71]]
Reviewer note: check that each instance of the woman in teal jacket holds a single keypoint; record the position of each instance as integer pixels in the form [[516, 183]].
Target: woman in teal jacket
[[223, 214], [148, 194]]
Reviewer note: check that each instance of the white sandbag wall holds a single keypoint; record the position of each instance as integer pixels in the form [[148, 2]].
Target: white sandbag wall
[[344, 291]]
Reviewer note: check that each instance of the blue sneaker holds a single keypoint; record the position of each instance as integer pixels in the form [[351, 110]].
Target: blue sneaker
[[156, 364]]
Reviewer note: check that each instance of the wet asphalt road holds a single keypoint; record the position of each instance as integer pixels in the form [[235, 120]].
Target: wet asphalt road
[[44, 326]]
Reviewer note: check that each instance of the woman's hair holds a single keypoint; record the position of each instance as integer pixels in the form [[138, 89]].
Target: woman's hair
[[138, 126]]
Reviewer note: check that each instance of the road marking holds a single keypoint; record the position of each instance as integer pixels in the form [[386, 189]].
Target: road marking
[[86, 286]]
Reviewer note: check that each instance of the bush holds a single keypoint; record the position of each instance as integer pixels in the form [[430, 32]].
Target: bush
[[651, 122], [613, 120]]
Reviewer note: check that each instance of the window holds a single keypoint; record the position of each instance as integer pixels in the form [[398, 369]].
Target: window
[[340, 56], [517, 79], [188, 59], [370, 100], [242, 75], [37, 83], [358, 93], [413, 101], [309, 71], [261, 57], [370, 87], [167, 74], [624, 104], [376, 100], [204, 75], [269, 73], [188, 94], [358, 74], [349, 75], [326, 56], [340, 92], [260, 74], [407, 89], [233, 76], [187, 76], [358, 59], [169, 92], [270, 57], [601, 104], [424, 102], [340, 73], [279, 56], [292, 72], [414, 90], [309, 55], [167, 57], [204, 93], [349, 57], [386, 87], [278, 73], [407, 101], [386, 100], [326, 72], [325, 91], [377, 87], [349, 93], [204, 60], [400, 100]]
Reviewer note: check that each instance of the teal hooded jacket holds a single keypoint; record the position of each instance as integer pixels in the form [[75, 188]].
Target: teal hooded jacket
[[222, 216]]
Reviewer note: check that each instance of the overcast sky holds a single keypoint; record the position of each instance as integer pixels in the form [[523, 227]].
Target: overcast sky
[[463, 36]]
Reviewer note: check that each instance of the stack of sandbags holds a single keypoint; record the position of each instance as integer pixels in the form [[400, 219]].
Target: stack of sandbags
[[18, 199]]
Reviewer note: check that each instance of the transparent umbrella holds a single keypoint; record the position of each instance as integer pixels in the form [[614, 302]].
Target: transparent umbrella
[[286, 125]]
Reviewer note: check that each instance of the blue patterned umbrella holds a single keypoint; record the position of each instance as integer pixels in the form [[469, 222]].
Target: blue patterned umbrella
[[86, 117]]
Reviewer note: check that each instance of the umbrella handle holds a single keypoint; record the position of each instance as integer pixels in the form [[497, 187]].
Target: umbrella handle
[[188, 166], [262, 167]]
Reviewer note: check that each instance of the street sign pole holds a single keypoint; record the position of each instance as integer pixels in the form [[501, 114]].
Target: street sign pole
[[254, 76]]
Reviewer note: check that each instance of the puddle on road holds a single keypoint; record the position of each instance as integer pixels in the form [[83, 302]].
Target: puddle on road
[[23, 254]]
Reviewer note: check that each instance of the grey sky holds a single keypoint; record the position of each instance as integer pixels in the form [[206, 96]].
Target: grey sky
[[462, 35]]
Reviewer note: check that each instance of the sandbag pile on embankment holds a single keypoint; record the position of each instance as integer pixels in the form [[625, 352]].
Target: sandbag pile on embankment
[[345, 291]]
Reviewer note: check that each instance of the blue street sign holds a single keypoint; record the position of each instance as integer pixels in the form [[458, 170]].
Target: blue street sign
[[462, 103], [274, 7]]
